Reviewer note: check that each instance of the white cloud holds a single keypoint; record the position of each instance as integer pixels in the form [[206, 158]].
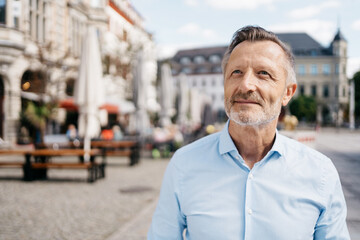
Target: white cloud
[[191, 2], [322, 31], [353, 66], [238, 4], [356, 25], [312, 10], [195, 30]]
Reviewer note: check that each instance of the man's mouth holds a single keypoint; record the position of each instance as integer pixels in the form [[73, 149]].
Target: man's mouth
[[244, 101]]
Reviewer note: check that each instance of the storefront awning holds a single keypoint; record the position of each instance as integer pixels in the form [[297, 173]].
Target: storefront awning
[[69, 105]]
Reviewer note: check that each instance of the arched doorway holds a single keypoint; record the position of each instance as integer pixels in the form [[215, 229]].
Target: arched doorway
[[2, 114]]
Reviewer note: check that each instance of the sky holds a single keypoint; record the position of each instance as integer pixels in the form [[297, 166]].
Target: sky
[[183, 24]]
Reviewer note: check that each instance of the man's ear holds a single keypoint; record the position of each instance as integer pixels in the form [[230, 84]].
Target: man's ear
[[289, 93]]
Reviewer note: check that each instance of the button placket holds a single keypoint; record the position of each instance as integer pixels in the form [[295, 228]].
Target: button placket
[[248, 204]]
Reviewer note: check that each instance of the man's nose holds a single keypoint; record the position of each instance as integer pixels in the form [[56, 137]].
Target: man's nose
[[248, 82]]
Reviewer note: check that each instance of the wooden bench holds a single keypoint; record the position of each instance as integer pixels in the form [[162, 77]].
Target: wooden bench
[[37, 169], [12, 152], [42, 162], [123, 148]]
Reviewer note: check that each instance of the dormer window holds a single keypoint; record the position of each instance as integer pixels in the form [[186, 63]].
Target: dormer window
[[199, 59], [215, 59], [185, 60]]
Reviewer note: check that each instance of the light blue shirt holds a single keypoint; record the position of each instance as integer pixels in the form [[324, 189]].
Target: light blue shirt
[[294, 192]]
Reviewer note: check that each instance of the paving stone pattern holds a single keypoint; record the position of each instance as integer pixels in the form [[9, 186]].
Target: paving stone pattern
[[67, 207]]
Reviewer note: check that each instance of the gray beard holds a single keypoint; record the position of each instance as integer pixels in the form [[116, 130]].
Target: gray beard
[[261, 119]]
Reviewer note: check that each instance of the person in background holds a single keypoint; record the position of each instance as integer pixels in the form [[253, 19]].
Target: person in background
[[107, 134], [71, 132], [248, 181], [118, 135]]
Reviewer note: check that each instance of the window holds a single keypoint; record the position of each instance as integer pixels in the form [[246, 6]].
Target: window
[[301, 69], [313, 90], [201, 70], [213, 82], [37, 20], [70, 84], [326, 91], [344, 92], [186, 70], [337, 68], [216, 69], [313, 52], [199, 59], [2, 11], [185, 60], [16, 5], [204, 82], [314, 69], [215, 59], [302, 90], [336, 90], [326, 69]]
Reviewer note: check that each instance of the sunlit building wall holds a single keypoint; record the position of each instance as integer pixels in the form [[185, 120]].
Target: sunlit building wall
[[40, 47]]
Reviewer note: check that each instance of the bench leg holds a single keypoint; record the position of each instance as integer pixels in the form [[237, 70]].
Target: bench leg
[[92, 174], [28, 174], [135, 156]]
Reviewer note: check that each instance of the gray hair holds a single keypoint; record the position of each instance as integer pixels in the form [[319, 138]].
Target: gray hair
[[252, 34]]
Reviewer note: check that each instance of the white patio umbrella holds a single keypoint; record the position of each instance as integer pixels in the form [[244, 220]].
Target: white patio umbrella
[[140, 95], [89, 91], [166, 97], [183, 100]]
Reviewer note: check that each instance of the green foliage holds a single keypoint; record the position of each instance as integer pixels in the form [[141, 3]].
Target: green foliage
[[356, 79], [36, 115], [304, 108]]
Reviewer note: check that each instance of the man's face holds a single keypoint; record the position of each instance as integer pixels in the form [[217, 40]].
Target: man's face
[[255, 83]]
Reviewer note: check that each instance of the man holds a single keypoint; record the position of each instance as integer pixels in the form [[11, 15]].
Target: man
[[248, 181]]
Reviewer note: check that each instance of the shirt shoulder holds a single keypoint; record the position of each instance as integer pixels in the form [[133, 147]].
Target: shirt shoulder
[[197, 150], [304, 159]]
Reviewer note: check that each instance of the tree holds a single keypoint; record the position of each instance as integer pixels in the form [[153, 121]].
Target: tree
[[356, 79], [304, 108], [37, 115]]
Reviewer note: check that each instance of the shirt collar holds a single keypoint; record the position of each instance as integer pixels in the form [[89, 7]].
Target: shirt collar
[[227, 145]]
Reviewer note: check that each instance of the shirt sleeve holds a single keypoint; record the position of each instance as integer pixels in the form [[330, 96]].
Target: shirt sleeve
[[332, 220], [168, 222]]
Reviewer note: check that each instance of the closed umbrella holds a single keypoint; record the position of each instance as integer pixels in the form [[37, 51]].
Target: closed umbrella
[[166, 96], [183, 100], [89, 91], [142, 121]]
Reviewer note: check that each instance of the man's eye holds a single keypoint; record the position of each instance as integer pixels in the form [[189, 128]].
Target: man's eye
[[264, 73], [236, 72]]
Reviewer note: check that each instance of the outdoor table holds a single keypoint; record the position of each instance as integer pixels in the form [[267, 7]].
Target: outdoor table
[[128, 148]]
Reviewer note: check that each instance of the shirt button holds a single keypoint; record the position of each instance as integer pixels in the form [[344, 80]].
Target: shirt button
[[237, 157], [251, 176], [249, 211]]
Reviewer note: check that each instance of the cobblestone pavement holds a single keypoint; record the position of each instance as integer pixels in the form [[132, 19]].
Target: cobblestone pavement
[[67, 207]]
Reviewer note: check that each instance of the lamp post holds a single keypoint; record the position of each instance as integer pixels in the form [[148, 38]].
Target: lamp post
[[352, 105]]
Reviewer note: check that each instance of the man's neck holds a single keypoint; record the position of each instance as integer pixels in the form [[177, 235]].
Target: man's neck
[[253, 142]]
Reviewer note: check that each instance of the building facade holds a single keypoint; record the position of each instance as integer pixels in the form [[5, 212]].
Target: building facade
[[40, 48], [320, 71]]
